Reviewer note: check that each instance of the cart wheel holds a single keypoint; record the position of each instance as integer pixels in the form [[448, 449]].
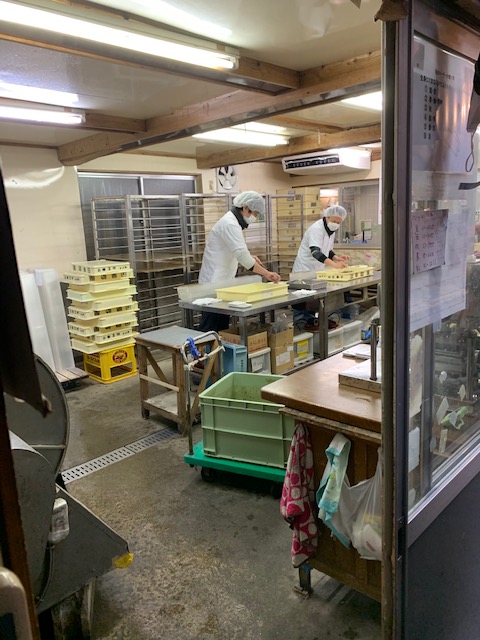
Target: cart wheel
[[276, 490], [145, 413], [209, 475]]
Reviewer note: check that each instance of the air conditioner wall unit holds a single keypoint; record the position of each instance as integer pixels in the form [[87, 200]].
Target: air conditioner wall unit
[[331, 161]]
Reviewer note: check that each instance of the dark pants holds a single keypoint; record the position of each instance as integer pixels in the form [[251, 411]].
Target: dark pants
[[213, 322]]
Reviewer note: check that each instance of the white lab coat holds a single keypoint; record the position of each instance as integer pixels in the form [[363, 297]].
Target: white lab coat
[[315, 236], [225, 250]]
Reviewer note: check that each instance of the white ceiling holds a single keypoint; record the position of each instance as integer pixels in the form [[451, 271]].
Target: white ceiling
[[295, 34]]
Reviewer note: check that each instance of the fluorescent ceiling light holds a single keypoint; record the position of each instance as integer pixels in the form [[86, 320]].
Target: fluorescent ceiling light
[[156, 43], [371, 101], [254, 133], [47, 116], [242, 136], [37, 94]]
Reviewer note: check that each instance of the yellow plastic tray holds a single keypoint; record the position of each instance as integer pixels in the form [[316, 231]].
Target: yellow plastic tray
[[253, 292], [343, 275], [79, 278], [100, 267], [89, 313], [87, 296]]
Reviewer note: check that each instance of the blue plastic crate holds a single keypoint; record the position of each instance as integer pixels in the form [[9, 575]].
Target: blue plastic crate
[[235, 358]]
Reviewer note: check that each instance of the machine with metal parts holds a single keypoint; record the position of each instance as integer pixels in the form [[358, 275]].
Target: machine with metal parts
[[67, 546]]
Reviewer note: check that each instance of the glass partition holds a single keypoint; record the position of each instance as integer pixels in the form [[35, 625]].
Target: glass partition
[[445, 273]]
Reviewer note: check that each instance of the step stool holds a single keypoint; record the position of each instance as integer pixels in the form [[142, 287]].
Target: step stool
[[112, 364]]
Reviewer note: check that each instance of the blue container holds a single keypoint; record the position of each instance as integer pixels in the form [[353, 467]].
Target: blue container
[[235, 358]]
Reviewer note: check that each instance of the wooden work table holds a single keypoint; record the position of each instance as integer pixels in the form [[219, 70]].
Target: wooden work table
[[314, 397]]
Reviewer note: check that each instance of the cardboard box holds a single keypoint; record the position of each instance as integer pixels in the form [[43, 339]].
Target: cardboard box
[[282, 339], [255, 341], [282, 356], [282, 359], [304, 191]]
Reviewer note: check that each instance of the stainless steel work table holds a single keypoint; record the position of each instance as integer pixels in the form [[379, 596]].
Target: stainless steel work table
[[257, 308], [328, 300]]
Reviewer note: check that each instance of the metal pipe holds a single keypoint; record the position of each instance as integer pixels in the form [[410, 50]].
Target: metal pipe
[[373, 349]]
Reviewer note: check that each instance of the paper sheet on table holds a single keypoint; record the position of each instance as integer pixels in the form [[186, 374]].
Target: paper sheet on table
[[358, 351], [302, 292], [239, 304], [202, 301]]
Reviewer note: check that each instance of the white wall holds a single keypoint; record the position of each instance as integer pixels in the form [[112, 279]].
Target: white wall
[[44, 204], [264, 177]]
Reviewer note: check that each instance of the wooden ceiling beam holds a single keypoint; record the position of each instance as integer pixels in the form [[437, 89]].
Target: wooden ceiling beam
[[232, 108], [113, 123], [300, 123], [306, 144]]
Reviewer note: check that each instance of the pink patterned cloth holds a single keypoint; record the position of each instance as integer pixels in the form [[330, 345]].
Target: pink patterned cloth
[[298, 505]]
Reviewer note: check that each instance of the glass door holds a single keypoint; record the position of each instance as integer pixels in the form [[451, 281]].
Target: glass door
[[431, 328]]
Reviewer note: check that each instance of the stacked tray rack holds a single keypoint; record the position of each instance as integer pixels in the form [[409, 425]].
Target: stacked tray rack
[[347, 274], [103, 309]]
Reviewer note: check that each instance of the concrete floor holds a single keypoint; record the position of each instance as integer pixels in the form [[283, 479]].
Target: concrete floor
[[212, 561]]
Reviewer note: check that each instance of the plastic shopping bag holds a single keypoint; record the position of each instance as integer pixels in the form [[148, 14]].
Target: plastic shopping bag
[[357, 517], [366, 534]]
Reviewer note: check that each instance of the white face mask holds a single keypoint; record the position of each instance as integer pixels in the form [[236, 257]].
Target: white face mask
[[333, 226], [250, 219]]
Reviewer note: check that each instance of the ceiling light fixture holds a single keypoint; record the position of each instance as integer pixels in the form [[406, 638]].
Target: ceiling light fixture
[[65, 20], [43, 115], [245, 134], [371, 101], [37, 94]]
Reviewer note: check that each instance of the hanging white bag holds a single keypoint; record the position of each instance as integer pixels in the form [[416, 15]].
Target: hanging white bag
[[366, 534], [355, 516]]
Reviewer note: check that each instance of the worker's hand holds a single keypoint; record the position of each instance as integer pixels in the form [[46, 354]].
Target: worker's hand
[[343, 258], [273, 277], [339, 264], [258, 261]]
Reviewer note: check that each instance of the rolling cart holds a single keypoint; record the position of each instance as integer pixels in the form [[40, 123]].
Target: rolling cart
[[210, 464]]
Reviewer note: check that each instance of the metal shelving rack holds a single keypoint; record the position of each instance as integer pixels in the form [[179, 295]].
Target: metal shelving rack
[[163, 238]]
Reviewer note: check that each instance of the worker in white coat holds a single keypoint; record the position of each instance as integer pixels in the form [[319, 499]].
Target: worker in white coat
[[316, 249], [226, 249], [314, 254]]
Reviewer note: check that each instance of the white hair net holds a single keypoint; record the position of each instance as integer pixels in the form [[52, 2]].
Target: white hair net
[[335, 210], [252, 199]]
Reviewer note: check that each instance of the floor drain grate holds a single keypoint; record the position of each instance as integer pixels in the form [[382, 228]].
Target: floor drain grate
[[82, 470]]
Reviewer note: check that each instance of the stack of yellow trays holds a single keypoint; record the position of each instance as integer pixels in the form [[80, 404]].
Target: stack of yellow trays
[[344, 275], [103, 309]]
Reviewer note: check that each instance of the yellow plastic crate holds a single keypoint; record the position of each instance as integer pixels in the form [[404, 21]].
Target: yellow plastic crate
[[87, 296], [78, 278], [89, 310], [344, 275], [111, 365], [87, 330], [111, 287], [88, 346], [100, 267], [253, 292]]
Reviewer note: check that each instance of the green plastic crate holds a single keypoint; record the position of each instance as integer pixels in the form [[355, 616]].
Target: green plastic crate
[[238, 424]]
